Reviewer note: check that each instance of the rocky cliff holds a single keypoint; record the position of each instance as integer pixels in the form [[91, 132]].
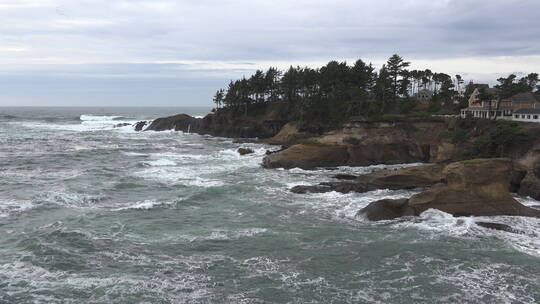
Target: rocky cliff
[[263, 122], [367, 143]]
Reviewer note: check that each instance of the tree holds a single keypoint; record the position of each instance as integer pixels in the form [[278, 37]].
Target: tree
[[383, 87], [459, 82], [396, 67], [218, 98], [509, 87]]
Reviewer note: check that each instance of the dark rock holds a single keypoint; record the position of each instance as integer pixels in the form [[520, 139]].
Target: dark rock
[[120, 125], [329, 187], [393, 179], [387, 210], [140, 125], [497, 226], [345, 177], [311, 189], [244, 151], [181, 122]]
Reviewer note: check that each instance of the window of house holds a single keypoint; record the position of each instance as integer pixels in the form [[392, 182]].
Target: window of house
[[516, 116], [523, 116], [528, 116], [535, 116]]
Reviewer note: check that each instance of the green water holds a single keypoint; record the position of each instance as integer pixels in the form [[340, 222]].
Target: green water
[[90, 213]]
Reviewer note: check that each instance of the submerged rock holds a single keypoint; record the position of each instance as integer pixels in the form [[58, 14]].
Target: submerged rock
[[120, 125], [475, 187], [245, 151]]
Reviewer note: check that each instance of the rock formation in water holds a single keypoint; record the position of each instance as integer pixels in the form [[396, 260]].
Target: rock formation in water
[[245, 151], [265, 123], [468, 188], [403, 178]]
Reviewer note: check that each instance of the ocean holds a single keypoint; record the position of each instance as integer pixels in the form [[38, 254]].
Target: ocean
[[93, 213]]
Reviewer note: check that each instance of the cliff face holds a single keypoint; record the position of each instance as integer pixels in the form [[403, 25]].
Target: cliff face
[[367, 143], [263, 123]]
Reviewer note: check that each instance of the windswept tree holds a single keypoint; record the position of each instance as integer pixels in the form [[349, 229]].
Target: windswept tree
[[219, 97], [510, 86], [396, 68]]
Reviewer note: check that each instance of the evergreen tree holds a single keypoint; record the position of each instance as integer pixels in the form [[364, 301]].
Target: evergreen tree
[[396, 68]]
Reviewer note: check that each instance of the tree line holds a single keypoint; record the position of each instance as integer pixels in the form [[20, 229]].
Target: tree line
[[337, 91]]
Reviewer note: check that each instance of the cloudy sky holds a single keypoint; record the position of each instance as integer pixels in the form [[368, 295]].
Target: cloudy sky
[[178, 52]]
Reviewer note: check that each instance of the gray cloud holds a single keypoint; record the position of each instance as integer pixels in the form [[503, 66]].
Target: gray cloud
[[172, 44]]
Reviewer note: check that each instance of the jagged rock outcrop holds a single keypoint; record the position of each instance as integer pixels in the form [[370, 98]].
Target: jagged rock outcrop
[[403, 178], [180, 122], [263, 123], [367, 143], [474, 187], [140, 125]]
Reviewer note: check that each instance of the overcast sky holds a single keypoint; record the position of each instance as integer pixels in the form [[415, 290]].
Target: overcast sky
[[179, 52]]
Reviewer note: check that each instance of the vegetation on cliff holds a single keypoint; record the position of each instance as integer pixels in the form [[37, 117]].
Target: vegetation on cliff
[[324, 98], [482, 138]]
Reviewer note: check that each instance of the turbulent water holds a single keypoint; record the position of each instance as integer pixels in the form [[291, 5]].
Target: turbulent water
[[90, 213]]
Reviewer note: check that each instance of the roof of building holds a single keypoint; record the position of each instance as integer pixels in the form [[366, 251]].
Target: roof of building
[[523, 98], [528, 111], [488, 90]]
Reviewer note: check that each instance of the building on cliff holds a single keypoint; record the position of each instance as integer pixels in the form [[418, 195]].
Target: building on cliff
[[519, 107]]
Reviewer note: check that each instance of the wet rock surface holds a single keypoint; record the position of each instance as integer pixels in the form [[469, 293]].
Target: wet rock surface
[[475, 187], [245, 151]]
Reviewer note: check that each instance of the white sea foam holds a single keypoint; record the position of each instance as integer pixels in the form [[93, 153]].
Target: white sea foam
[[68, 199], [438, 223], [13, 207], [160, 162], [170, 282], [225, 235], [88, 117], [146, 205]]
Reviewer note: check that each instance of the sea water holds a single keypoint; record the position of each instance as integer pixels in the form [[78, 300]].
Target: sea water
[[93, 213]]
